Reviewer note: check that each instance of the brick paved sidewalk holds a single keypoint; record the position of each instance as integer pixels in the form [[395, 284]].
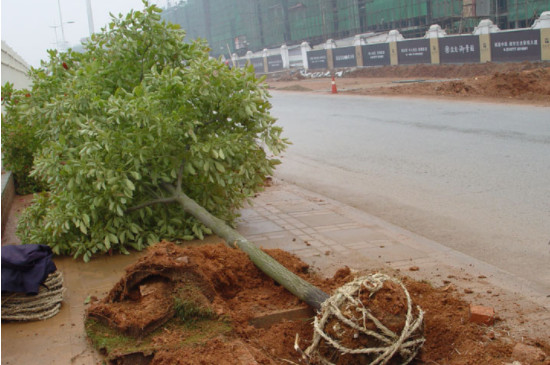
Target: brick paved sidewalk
[[324, 233], [330, 235]]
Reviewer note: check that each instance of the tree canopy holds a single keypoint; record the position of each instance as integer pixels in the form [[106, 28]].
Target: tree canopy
[[138, 109]]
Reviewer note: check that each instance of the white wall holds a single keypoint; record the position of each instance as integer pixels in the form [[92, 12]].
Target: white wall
[[14, 68]]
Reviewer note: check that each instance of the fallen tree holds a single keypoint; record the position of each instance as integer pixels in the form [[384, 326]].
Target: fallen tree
[[142, 121], [290, 281], [362, 336]]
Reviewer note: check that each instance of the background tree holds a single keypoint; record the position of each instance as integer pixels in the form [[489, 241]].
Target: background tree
[[138, 109]]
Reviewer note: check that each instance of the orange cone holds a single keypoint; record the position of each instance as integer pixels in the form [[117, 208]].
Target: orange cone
[[334, 89]]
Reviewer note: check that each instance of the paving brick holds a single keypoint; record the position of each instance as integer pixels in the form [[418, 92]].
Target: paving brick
[[247, 229], [248, 213], [257, 238], [356, 235], [318, 220], [350, 226], [307, 252], [315, 243], [329, 242], [339, 249], [298, 207], [482, 315], [328, 228], [391, 252]]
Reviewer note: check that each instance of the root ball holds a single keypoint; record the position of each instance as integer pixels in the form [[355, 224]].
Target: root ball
[[370, 320]]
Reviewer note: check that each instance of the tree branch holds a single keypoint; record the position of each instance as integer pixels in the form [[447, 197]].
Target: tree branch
[[152, 202]]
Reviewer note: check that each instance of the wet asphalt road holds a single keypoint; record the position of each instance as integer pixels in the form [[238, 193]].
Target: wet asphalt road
[[471, 176]]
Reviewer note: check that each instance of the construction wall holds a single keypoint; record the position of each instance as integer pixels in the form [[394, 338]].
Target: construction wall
[[252, 25], [500, 46]]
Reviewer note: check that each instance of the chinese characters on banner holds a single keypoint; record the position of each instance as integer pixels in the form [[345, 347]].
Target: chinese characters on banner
[[274, 63], [459, 49], [516, 46], [344, 57], [317, 59], [376, 54], [413, 52]]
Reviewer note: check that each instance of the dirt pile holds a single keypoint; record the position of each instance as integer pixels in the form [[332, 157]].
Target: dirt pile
[[202, 300], [525, 82], [520, 85]]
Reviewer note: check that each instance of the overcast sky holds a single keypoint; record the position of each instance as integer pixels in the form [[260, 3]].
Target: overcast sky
[[29, 26]]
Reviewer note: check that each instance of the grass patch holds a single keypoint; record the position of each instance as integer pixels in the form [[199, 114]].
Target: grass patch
[[191, 305], [194, 323], [112, 344], [176, 333], [190, 311]]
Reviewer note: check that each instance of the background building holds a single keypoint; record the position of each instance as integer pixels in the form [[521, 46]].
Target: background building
[[237, 26]]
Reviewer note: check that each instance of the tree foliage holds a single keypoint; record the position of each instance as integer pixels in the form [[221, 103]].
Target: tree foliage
[[19, 140], [138, 109]]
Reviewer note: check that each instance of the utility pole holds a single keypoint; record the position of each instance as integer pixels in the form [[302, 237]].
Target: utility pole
[[90, 16], [63, 40]]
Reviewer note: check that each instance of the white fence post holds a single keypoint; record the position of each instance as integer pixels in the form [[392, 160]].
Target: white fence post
[[265, 54], [305, 47], [543, 21], [285, 56], [435, 31]]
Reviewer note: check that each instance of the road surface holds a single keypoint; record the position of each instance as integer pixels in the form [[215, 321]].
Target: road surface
[[474, 177]]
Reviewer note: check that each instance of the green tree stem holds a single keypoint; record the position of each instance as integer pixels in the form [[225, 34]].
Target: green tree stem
[[305, 291], [151, 202]]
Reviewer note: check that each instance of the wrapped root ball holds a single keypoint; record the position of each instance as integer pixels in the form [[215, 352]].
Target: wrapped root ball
[[370, 320]]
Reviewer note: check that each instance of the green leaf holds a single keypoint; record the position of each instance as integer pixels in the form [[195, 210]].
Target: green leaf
[[130, 184], [219, 167], [107, 242], [83, 229], [86, 219]]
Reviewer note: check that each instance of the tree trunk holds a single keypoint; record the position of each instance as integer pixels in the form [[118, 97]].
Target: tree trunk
[[305, 291]]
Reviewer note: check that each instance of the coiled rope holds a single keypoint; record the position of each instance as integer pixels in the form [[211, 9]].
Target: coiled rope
[[44, 305]]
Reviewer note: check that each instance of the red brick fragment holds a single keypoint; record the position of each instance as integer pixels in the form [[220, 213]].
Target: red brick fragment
[[482, 315]]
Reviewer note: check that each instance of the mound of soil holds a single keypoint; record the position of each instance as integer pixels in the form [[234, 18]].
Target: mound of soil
[[201, 302], [531, 85], [526, 82]]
